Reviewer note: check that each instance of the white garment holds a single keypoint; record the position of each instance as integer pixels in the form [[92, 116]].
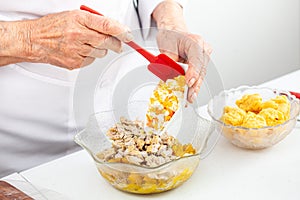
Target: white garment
[[36, 100]]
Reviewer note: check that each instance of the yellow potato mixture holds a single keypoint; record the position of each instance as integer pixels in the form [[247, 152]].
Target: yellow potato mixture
[[164, 102], [252, 112]]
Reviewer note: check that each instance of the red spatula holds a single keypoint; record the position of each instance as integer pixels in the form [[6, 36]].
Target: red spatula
[[296, 94], [162, 65]]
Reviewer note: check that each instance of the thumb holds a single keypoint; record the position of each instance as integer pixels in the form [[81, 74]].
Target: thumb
[[172, 55], [167, 42]]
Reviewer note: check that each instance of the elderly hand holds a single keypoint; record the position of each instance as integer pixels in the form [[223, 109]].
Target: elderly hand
[[70, 39], [174, 40]]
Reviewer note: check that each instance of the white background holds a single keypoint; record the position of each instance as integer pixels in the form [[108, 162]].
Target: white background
[[253, 40]]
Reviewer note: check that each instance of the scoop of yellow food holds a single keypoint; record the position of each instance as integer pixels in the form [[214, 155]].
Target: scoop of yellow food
[[233, 116], [253, 120], [252, 112], [283, 105], [273, 117], [250, 102], [269, 104], [280, 103]]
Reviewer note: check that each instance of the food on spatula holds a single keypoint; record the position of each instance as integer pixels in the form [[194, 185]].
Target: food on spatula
[[164, 102]]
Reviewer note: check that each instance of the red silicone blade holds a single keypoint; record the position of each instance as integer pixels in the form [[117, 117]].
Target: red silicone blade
[[165, 68], [162, 66]]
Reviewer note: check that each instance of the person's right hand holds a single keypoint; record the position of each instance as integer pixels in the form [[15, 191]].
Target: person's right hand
[[73, 39]]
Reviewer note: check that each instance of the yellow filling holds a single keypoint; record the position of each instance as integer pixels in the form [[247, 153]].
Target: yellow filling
[[253, 113], [144, 184], [164, 102]]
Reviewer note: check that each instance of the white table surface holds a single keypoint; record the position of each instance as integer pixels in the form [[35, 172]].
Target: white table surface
[[227, 173]]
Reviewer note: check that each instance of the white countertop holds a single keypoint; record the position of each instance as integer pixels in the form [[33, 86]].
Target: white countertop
[[227, 173]]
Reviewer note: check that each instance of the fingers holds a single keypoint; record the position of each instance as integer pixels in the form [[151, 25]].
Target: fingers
[[107, 26], [89, 51], [73, 39], [79, 62], [102, 41], [167, 46], [98, 53], [87, 61], [194, 88], [111, 43], [173, 56], [187, 48], [197, 53]]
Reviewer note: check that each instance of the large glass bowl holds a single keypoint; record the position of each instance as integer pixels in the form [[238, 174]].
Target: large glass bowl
[[192, 128], [252, 138]]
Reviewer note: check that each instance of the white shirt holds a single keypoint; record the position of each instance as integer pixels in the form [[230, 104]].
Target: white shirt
[[36, 100]]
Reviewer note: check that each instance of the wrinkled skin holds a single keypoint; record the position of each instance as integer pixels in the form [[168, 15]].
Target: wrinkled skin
[[69, 39]]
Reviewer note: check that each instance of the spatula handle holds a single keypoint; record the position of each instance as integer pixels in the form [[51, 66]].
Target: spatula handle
[[83, 7], [149, 56], [296, 94]]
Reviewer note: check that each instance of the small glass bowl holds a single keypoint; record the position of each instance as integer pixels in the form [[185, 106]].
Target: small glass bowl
[[252, 138], [140, 179]]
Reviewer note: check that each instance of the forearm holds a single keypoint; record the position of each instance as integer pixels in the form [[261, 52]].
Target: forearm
[[15, 44], [169, 15]]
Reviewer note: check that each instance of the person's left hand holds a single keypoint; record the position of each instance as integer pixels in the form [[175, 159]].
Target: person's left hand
[[174, 40]]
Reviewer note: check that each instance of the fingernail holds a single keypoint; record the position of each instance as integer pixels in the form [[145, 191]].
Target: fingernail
[[129, 37], [191, 82]]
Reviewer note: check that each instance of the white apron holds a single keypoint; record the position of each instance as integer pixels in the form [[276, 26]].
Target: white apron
[[36, 100]]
